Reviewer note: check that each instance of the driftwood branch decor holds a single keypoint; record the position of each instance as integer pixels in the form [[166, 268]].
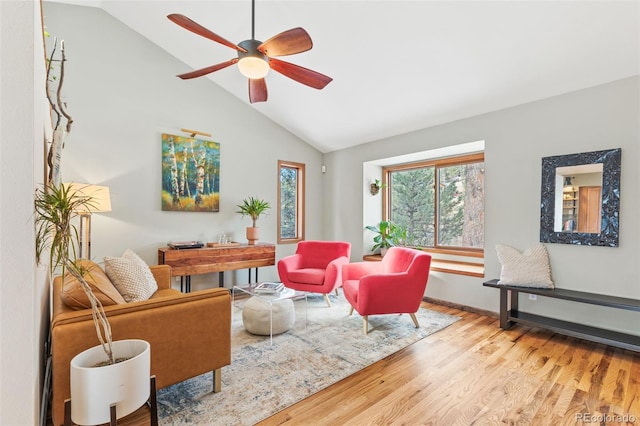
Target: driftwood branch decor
[[58, 114]]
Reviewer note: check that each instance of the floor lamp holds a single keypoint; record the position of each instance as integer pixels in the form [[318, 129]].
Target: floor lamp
[[98, 201]]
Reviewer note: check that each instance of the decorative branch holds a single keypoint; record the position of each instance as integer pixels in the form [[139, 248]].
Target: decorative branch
[[61, 104]]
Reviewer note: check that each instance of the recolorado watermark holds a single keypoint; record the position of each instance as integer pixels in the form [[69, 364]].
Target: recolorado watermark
[[606, 418]]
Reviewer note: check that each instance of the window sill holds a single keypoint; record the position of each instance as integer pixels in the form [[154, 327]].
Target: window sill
[[471, 269]]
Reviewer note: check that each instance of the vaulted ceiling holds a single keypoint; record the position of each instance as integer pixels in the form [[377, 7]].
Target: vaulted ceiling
[[399, 66]]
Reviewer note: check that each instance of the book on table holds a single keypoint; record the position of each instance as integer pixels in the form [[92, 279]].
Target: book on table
[[269, 287]]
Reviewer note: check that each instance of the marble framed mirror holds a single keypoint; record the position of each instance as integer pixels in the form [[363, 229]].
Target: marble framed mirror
[[580, 200]]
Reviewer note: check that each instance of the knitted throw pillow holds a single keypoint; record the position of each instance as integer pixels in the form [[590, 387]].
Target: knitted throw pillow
[[528, 269], [131, 276]]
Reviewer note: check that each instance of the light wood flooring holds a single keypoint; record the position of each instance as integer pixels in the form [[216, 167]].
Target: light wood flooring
[[474, 373]]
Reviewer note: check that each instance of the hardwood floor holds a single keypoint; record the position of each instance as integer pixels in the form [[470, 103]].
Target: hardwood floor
[[474, 373]]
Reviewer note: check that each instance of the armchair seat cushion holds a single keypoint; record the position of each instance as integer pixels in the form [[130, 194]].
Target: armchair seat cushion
[[307, 276]]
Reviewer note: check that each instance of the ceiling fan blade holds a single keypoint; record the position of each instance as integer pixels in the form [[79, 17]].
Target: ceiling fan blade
[[288, 42], [207, 70], [300, 74], [257, 90], [196, 28]]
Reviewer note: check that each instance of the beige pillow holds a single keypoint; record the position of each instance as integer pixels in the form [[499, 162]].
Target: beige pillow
[[131, 276], [73, 294], [528, 269]]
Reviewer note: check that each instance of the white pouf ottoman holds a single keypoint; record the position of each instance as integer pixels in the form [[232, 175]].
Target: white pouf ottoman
[[256, 313]]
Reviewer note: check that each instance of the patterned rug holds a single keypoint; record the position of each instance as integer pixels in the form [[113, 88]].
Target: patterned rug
[[325, 346]]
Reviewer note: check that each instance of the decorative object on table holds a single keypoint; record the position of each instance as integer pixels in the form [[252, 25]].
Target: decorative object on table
[[253, 207], [315, 267], [95, 388], [387, 235], [395, 285], [181, 245], [100, 203], [376, 186], [269, 287], [529, 269], [256, 58], [190, 174], [333, 350], [227, 244]]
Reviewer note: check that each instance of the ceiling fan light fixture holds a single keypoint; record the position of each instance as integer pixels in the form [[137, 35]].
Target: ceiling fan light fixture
[[252, 63], [253, 67]]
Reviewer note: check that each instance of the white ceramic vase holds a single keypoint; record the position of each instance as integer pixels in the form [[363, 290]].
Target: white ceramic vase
[[95, 389]]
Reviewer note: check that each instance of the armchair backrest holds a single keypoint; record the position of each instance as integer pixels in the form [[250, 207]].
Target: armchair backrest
[[404, 259], [318, 254]]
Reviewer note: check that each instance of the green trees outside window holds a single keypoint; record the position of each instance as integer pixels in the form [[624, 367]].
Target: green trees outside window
[[290, 202], [451, 216]]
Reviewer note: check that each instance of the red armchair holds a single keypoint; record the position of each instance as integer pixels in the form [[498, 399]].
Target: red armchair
[[395, 285], [316, 267]]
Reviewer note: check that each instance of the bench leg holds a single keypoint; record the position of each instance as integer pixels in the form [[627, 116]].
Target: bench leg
[[505, 324]]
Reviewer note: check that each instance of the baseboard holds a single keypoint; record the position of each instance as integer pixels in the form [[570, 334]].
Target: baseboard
[[461, 307]]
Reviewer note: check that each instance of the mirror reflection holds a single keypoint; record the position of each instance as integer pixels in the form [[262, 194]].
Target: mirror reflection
[[578, 198]]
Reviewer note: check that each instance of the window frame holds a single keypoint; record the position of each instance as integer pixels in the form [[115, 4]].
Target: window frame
[[436, 163], [300, 204]]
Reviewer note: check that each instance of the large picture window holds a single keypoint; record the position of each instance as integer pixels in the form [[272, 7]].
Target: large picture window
[[290, 202], [439, 202]]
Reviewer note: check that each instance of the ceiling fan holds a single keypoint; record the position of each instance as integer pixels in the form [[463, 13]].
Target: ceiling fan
[[255, 58]]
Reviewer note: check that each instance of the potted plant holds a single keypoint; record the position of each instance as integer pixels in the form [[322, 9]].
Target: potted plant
[[387, 235], [376, 186], [102, 375], [253, 207]]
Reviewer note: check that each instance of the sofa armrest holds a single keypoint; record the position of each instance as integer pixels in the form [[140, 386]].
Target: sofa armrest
[[162, 274]]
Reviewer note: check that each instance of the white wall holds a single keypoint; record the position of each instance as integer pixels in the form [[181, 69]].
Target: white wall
[[23, 288], [516, 139], [123, 94]]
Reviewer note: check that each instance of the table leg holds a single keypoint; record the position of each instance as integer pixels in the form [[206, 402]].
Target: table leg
[[221, 279]]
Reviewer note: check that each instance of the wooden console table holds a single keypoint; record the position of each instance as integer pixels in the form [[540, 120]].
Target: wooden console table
[[187, 262], [509, 314]]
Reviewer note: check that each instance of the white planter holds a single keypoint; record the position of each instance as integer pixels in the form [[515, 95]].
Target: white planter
[[95, 389]]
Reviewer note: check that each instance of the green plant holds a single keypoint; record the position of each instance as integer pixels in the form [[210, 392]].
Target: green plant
[[253, 207], [379, 184], [55, 208], [387, 235]]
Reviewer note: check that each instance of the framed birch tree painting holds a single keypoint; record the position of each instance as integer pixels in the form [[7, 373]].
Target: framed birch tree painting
[[190, 174]]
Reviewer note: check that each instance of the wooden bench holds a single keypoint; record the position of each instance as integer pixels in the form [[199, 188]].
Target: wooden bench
[[509, 314]]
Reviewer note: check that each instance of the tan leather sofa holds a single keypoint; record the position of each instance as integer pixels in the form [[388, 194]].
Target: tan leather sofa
[[190, 334]]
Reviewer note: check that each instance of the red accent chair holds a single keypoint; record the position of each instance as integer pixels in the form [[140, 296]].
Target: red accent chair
[[395, 285], [316, 267]]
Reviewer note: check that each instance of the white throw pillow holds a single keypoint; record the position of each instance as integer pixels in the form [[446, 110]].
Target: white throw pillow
[[131, 276], [528, 269]]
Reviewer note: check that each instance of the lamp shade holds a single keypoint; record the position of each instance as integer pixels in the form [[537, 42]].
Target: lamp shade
[[98, 197]]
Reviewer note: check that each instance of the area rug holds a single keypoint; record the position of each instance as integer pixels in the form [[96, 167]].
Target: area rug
[[325, 346]]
